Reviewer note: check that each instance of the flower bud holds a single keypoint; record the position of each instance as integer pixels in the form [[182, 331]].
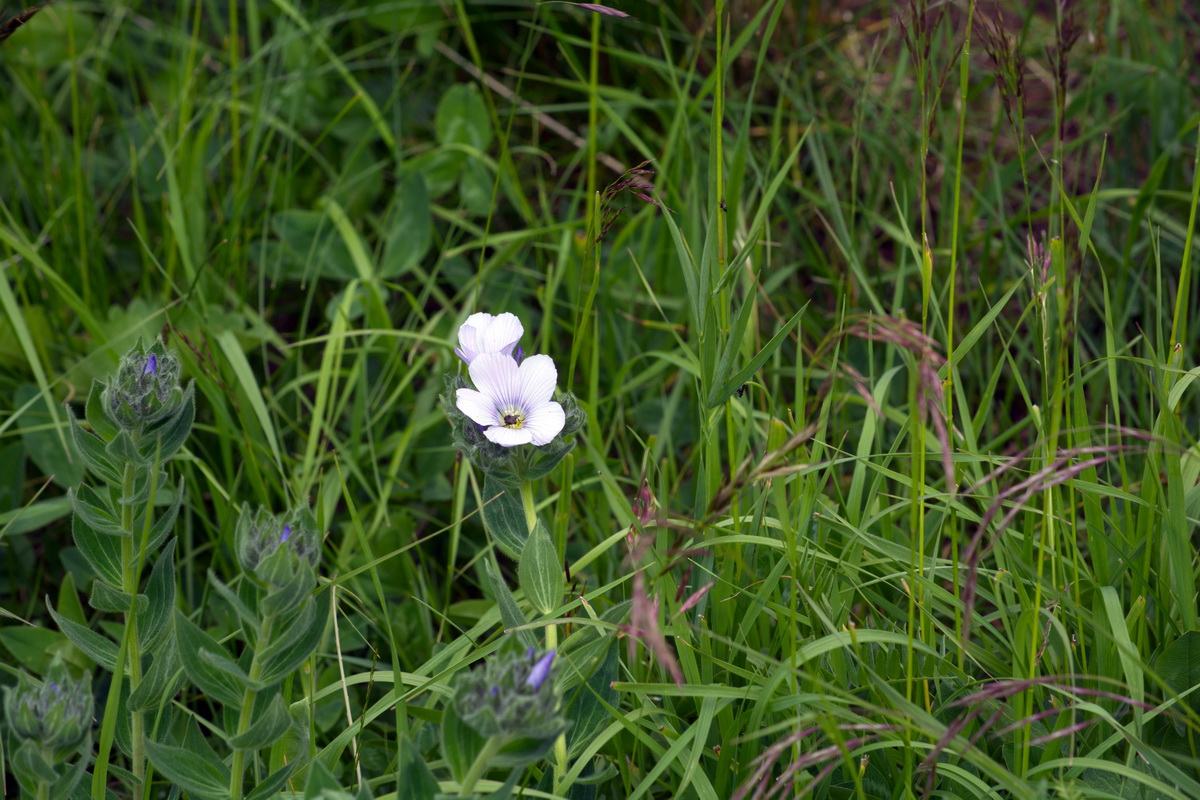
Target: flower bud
[[273, 547], [145, 389], [56, 713], [512, 695]]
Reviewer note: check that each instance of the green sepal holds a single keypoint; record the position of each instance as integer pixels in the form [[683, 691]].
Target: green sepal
[[243, 612], [504, 517], [550, 457], [510, 612], [154, 621], [31, 767], [94, 451], [274, 782], [278, 664], [460, 743], [540, 573], [414, 781], [287, 593], [269, 724], [105, 597], [161, 680], [93, 412], [201, 655], [171, 432], [102, 550], [98, 648], [195, 772]]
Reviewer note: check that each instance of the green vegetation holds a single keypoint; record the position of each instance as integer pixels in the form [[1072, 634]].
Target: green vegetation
[[882, 321]]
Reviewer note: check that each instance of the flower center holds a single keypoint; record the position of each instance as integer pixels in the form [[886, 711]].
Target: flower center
[[512, 417]]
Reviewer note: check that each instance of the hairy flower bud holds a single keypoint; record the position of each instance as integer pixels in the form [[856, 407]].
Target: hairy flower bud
[[146, 387], [55, 714], [512, 695], [272, 547]]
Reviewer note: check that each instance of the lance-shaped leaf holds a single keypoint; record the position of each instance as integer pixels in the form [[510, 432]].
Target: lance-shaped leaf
[[161, 680], [106, 598], [94, 451], [279, 664], [510, 612], [413, 778], [270, 787], [267, 725], [102, 550], [94, 413], [243, 612], [208, 666], [190, 770], [92, 508], [540, 572], [166, 521], [160, 592], [96, 647], [504, 518], [163, 441]]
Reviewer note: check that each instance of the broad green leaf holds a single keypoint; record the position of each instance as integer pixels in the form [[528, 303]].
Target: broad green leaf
[[105, 598], [96, 647], [267, 725], [102, 550], [584, 709], [1179, 667], [30, 647], [160, 591], [462, 118], [540, 572], [414, 781], [278, 665], [460, 742], [243, 612], [270, 787], [409, 233], [321, 779], [189, 770], [207, 665], [161, 680], [504, 518], [43, 442]]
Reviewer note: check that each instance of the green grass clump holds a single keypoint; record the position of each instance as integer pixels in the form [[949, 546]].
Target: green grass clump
[[882, 318]]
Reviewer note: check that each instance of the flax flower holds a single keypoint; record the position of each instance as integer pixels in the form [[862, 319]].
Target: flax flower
[[483, 333], [513, 402]]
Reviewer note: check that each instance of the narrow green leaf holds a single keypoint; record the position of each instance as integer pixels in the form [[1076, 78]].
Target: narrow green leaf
[[721, 394], [510, 612], [278, 665], [270, 787], [243, 612], [94, 451], [160, 591], [161, 680], [250, 388], [102, 550], [584, 709], [106, 598]]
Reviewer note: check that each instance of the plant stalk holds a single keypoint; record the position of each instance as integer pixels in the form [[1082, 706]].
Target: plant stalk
[[480, 765], [238, 765]]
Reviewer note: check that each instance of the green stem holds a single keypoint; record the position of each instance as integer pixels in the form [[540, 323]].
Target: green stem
[[129, 585], [43, 791], [238, 767], [527, 504], [480, 765]]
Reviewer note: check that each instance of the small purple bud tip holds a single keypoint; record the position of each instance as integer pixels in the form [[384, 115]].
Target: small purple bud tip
[[540, 671], [529, 653], [54, 688], [495, 691], [518, 354], [151, 365], [287, 532]]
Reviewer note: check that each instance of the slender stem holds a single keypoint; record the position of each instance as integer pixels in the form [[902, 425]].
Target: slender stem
[[43, 791], [129, 585], [527, 504], [238, 767], [480, 765]]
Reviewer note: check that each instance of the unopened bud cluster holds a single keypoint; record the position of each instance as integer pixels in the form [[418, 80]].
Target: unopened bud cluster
[[512, 695], [55, 714], [145, 389], [274, 547]]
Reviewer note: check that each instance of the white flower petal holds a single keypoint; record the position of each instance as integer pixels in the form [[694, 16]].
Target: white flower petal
[[509, 437], [477, 406], [537, 380], [545, 422], [501, 334], [495, 375]]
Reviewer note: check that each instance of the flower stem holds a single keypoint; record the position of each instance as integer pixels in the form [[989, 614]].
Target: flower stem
[[480, 765], [527, 504], [129, 585], [238, 767]]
